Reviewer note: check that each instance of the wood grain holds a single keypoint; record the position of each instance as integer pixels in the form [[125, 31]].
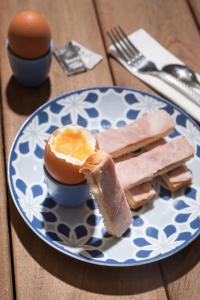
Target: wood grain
[[165, 21], [195, 8], [40, 271], [6, 287]]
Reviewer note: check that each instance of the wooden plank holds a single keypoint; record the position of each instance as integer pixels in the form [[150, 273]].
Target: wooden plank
[[195, 8], [6, 287], [181, 273], [40, 271], [165, 21]]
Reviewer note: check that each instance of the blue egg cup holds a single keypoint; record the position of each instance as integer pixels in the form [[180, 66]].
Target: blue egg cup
[[67, 195], [30, 72]]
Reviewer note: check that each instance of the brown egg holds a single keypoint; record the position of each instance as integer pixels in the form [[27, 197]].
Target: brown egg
[[66, 150], [29, 35]]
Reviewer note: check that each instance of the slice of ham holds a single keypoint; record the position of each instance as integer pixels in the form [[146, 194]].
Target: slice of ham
[[176, 179], [157, 161], [147, 129], [99, 170], [140, 195]]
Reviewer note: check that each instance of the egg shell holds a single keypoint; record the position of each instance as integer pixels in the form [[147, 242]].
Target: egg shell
[[29, 35], [60, 169]]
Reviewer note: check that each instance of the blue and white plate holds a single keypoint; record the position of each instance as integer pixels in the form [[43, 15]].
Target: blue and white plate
[[158, 230]]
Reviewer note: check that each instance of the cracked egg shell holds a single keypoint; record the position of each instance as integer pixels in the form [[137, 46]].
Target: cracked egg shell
[[66, 151]]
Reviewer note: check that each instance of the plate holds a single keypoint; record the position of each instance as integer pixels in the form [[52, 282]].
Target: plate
[[158, 230]]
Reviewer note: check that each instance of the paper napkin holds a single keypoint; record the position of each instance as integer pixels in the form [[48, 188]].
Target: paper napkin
[[161, 57]]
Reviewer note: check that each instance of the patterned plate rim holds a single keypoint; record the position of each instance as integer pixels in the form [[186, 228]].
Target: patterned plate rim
[[54, 245]]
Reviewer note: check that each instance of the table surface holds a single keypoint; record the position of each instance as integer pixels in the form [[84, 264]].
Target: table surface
[[29, 268]]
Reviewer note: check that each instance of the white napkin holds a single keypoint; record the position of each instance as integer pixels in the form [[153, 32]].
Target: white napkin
[[161, 57]]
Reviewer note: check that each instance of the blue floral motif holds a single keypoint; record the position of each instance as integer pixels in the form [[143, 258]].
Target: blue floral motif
[[105, 233], [127, 233], [85, 237], [181, 120], [157, 242], [189, 208], [49, 216], [24, 148], [106, 124], [91, 204], [92, 98], [191, 132], [146, 103], [137, 221], [78, 108], [39, 152], [92, 112], [49, 203], [174, 134], [65, 120], [169, 109], [93, 220], [42, 117], [198, 151], [35, 134], [79, 239], [121, 123], [130, 99], [55, 107], [132, 114], [30, 201], [64, 229], [164, 193]]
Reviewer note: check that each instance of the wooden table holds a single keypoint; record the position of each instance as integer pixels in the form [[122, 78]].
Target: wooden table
[[29, 268]]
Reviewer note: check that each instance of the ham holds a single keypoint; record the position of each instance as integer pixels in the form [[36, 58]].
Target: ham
[[176, 179], [147, 129], [157, 161], [99, 170], [140, 195]]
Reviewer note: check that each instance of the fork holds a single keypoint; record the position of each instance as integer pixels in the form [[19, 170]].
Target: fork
[[141, 64]]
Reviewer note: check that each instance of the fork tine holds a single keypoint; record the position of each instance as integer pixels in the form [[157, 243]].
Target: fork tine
[[123, 39], [120, 42], [125, 36], [116, 47]]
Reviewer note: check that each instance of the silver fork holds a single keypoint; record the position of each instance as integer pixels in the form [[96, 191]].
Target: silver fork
[[133, 57]]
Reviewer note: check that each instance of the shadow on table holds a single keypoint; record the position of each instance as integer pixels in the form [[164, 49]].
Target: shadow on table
[[24, 100], [99, 279]]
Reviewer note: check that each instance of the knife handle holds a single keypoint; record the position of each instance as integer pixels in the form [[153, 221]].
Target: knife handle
[[185, 89]]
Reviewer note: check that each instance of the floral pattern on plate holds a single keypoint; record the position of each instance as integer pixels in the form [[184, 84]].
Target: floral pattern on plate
[[158, 230]]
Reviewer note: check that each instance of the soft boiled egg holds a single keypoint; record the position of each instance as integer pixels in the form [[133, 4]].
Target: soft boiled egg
[[66, 151]]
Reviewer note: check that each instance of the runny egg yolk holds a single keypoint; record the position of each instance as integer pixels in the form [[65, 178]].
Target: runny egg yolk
[[72, 143]]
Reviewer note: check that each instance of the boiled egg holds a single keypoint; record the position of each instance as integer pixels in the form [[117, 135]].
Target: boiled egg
[[29, 35], [66, 151]]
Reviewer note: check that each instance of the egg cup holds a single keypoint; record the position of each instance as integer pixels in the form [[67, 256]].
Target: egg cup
[[67, 195], [30, 72]]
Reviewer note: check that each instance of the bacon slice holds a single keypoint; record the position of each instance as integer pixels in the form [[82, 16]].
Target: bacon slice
[[147, 129], [177, 178], [99, 170], [157, 161], [140, 195]]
